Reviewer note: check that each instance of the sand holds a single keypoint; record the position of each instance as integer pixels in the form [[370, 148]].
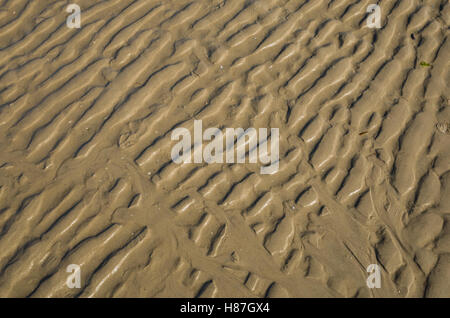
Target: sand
[[86, 175]]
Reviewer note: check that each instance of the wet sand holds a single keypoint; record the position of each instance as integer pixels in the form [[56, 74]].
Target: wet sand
[[86, 175]]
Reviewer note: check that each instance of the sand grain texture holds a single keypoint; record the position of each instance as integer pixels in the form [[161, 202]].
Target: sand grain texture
[[86, 176]]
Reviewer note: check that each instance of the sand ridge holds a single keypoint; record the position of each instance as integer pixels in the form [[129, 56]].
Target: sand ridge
[[86, 175]]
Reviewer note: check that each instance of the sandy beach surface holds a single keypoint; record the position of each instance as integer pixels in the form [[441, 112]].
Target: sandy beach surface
[[87, 178]]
